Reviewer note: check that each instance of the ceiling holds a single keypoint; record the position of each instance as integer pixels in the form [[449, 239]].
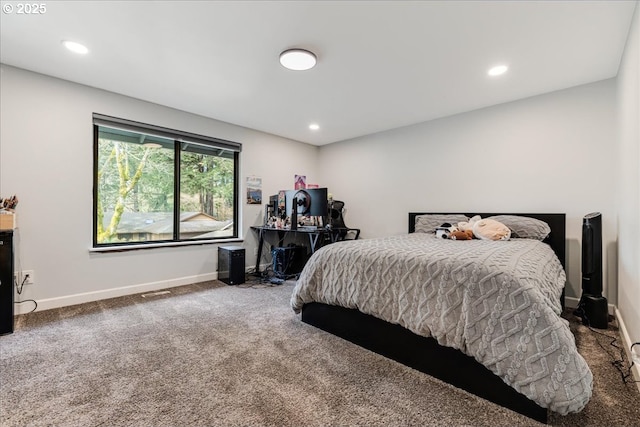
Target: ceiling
[[381, 64]]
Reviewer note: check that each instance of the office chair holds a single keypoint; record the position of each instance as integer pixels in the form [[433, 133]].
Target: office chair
[[337, 223]]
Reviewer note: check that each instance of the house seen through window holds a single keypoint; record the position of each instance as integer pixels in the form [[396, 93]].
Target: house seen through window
[[154, 184]]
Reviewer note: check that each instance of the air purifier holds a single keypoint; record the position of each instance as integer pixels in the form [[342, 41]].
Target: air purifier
[[592, 308]]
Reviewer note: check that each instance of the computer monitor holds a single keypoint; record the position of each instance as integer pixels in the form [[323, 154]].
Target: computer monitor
[[272, 207], [309, 202]]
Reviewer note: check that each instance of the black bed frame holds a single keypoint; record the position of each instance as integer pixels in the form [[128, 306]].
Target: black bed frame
[[425, 354]]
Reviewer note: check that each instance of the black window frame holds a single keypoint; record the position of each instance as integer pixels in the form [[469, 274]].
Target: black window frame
[[179, 138]]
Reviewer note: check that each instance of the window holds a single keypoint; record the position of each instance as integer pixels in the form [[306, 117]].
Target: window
[[154, 185]]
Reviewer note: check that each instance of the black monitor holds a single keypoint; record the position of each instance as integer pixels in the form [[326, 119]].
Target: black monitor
[[309, 202], [272, 207]]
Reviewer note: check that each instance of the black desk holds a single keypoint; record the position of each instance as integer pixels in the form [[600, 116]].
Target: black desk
[[317, 238]]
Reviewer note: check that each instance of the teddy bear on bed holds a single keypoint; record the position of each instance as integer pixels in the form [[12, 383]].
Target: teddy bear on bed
[[448, 231], [476, 227], [464, 230], [485, 229], [461, 234]]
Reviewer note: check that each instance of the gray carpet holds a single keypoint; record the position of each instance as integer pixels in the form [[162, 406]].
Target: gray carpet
[[210, 354]]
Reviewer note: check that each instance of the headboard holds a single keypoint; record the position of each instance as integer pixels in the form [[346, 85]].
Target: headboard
[[556, 221]]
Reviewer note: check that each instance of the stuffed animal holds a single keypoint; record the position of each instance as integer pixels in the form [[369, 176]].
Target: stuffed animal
[[490, 229], [443, 231], [461, 235], [464, 226]]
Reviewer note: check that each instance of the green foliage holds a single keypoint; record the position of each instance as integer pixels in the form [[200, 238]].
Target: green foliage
[[207, 185], [135, 178]]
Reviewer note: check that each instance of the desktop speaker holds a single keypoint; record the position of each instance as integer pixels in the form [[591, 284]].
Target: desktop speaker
[[231, 265]]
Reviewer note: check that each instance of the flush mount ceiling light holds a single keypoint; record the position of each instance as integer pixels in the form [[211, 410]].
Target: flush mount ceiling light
[[497, 70], [75, 47], [314, 126], [298, 59]]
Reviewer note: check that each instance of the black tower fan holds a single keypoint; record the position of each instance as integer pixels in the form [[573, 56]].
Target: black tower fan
[[592, 307]]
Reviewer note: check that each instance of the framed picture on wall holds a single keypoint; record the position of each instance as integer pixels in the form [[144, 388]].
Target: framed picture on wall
[[254, 190], [300, 182]]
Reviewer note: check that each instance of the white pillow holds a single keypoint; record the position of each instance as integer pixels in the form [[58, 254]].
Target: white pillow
[[428, 223], [524, 227]]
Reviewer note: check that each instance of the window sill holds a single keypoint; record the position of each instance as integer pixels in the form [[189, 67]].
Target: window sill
[[134, 247]]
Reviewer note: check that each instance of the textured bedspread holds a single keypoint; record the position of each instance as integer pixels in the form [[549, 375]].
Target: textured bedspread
[[495, 301]]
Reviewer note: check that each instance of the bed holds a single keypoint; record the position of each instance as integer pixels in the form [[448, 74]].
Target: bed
[[483, 316]]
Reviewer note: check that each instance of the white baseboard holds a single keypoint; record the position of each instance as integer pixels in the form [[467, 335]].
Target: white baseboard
[[64, 301], [572, 302], [67, 300], [627, 346]]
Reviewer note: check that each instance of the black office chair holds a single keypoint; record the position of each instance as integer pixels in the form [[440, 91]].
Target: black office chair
[[337, 223]]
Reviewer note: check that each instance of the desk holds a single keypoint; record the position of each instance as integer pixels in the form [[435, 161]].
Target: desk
[[316, 238]]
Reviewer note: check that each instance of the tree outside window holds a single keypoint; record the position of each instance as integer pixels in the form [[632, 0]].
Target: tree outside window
[[137, 177]]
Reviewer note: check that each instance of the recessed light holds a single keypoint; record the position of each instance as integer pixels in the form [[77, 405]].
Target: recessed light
[[75, 47], [298, 59], [314, 126], [498, 70]]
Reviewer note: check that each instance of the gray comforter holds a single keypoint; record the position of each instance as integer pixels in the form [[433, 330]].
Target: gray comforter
[[495, 301]]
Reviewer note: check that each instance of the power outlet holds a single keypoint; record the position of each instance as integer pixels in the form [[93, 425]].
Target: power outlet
[[28, 276]]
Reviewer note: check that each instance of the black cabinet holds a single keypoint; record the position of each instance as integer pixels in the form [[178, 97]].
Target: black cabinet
[[6, 282]]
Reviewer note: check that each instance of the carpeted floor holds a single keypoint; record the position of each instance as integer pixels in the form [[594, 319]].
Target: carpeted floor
[[210, 354]]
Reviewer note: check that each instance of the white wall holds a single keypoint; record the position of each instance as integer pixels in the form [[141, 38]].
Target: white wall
[[46, 154], [549, 153], [628, 183], [530, 155]]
